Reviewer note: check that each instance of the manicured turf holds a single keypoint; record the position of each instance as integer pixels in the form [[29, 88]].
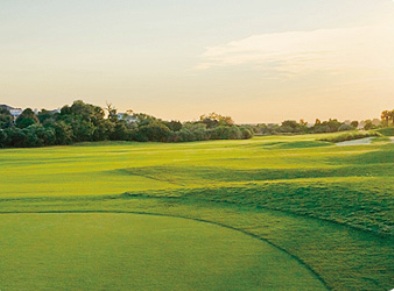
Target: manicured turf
[[329, 208], [138, 252]]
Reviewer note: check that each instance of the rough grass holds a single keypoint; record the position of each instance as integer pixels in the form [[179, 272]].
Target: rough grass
[[330, 208]]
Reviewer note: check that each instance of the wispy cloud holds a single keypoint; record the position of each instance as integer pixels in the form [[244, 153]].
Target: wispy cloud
[[332, 50]]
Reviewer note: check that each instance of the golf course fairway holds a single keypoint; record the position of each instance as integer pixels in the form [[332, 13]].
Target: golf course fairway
[[269, 213], [139, 252]]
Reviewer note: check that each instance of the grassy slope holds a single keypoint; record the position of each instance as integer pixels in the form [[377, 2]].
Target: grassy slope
[[388, 131], [287, 187]]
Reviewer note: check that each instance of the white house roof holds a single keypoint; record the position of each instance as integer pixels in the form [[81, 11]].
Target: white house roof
[[12, 110]]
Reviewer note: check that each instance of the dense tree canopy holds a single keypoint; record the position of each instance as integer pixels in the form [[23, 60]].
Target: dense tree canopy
[[83, 122]]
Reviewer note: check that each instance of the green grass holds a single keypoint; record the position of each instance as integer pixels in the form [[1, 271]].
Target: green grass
[[388, 131], [138, 252], [328, 208]]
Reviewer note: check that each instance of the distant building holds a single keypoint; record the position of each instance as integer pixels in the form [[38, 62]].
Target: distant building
[[127, 117], [15, 112], [54, 111]]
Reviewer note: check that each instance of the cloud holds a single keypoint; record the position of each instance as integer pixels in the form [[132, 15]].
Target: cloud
[[332, 50]]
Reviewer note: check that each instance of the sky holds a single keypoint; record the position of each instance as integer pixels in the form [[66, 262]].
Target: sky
[[254, 60]]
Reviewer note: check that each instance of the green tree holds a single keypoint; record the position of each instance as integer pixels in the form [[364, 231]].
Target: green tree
[[345, 127], [213, 120], [333, 124], [155, 131], [63, 132], [6, 119], [354, 124], [45, 135], [27, 118], [46, 115], [3, 138], [368, 124], [173, 125], [112, 112], [392, 116], [385, 117], [82, 130], [16, 137], [87, 121], [246, 133], [225, 132], [289, 126], [120, 131]]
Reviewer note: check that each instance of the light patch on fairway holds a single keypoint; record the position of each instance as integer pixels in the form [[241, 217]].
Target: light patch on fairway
[[139, 252]]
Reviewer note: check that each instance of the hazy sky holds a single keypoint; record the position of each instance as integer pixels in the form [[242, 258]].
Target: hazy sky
[[255, 60]]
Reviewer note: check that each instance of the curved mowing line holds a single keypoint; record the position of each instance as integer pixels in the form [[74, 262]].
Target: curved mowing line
[[263, 207], [299, 260], [267, 208], [316, 218]]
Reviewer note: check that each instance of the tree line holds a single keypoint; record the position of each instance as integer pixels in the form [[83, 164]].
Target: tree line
[[331, 125], [83, 122]]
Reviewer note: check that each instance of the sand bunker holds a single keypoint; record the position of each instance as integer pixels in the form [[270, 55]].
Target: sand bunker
[[360, 141]]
